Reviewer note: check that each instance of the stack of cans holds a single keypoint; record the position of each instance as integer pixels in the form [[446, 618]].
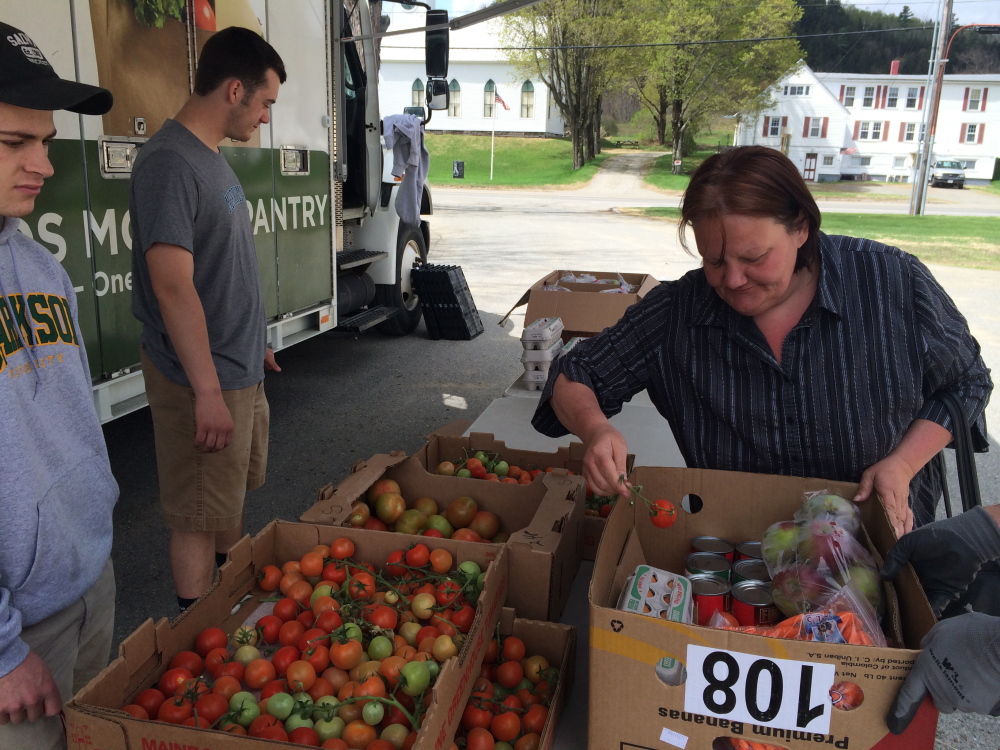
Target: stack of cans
[[730, 578]]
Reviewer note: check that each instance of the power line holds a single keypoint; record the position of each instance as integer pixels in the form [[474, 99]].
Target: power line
[[752, 40]]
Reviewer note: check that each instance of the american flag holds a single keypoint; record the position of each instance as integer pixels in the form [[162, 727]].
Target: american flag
[[501, 102]]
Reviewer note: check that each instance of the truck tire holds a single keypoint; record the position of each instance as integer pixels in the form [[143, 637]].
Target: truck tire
[[410, 252]]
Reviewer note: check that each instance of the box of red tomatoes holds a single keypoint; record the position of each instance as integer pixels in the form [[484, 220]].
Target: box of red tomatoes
[[538, 522], [674, 684], [450, 445], [312, 635]]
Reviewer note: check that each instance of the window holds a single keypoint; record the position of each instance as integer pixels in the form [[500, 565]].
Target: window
[[796, 91], [911, 97], [876, 131], [971, 131], [527, 100], [849, 96], [861, 161], [975, 96], [869, 96], [911, 131], [418, 93], [454, 99], [893, 97], [969, 164], [815, 127], [827, 161], [863, 132], [775, 128], [489, 98], [898, 162]]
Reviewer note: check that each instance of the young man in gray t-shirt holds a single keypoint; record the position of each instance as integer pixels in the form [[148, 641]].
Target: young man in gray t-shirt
[[197, 293]]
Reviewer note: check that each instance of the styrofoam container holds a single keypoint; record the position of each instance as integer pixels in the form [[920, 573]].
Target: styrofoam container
[[571, 343], [536, 366], [536, 376], [542, 330], [543, 355]]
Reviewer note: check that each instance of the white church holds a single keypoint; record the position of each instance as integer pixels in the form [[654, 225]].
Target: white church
[[478, 75]]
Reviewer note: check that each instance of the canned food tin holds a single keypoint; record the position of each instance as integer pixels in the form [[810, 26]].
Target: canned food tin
[[707, 562], [750, 570], [753, 605], [713, 544], [749, 551], [711, 595]]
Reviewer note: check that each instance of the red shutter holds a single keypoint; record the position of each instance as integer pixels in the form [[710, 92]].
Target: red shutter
[[961, 133], [902, 131], [805, 128], [982, 102], [920, 104], [826, 121], [784, 122], [857, 129], [878, 97], [767, 121], [982, 128], [965, 100], [841, 93], [885, 131], [885, 94]]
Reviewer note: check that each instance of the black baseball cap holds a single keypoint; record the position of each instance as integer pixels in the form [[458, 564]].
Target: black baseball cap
[[28, 80]]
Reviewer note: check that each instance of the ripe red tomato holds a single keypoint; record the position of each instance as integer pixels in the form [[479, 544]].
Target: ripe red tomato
[[310, 638], [150, 699], [329, 621], [335, 572], [479, 739], [283, 658], [462, 619], [307, 618], [318, 655], [474, 717], [175, 710], [269, 625], [173, 679], [606, 510], [534, 720], [392, 563], [188, 660], [510, 673], [135, 711], [433, 533], [447, 592], [374, 524], [290, 633], [261, 723], [217, 658], [341, 548], [227, 687], [662, 514], [505, 726], [211, 706], [269, 577], [274, 686], [286, 609], [513, 649], [362, 586], [383, 617], [210, 638], [418, 556], [305, 736], [204, 16], [258, 673]]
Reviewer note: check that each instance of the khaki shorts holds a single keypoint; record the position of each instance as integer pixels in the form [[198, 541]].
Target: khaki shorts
[[205, 491]]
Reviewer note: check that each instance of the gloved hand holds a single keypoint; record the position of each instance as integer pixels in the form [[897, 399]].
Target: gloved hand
[[959, 667], [946, 554]]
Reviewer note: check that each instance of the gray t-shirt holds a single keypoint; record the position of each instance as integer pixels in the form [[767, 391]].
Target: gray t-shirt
[[184, 193]]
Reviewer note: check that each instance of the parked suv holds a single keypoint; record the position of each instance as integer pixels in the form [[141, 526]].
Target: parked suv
[[947, 172]]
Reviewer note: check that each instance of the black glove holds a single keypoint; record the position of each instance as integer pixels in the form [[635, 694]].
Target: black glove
[[959, 667], [946, 555]]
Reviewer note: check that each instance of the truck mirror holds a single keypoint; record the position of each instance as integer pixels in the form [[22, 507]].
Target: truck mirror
[[436, 45], [437, 94]]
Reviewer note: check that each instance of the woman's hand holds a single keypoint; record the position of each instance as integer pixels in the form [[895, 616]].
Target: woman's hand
[[604, 461], [890, 478]]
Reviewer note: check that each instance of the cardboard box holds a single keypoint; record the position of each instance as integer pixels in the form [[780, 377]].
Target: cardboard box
[[634, 708], [449, 443], [543, 520], [584, 310], [93, 718]]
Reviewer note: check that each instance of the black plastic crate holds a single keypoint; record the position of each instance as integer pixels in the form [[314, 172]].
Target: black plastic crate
[[449, 310]]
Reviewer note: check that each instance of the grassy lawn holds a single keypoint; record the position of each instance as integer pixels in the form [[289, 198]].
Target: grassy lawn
[[517, 162], [966, 241], [993, 187]]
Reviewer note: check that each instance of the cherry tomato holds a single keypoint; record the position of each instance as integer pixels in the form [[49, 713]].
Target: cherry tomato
[[662, 515]]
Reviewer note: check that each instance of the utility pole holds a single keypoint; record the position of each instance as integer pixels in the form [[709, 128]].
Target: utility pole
[[918, 197]]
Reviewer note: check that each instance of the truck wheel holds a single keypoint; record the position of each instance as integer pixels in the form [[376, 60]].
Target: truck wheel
[[410, 253]]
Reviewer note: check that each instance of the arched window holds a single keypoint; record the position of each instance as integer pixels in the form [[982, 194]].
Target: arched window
[[527, 100], [418, 93], [489, 98], [454, 99]]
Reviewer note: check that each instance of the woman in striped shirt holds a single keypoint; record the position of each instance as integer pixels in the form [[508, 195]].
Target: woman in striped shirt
[[789, 352]]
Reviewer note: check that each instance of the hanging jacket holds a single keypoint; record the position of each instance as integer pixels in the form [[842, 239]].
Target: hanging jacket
[[404, 134]]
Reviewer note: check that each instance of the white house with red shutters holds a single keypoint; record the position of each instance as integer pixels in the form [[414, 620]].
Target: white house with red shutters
[[867, 127]]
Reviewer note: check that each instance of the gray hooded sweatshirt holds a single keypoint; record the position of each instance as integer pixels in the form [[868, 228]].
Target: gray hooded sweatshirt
[[57, 492]]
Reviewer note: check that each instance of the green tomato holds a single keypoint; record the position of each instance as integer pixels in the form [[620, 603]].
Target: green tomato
[[325, 706], [500, 468], [464, 473], [434, 668], [503, 746], [470, 569], [324, 589], [499, 691], [373, 713], [280, 705], [297, 720], [380, 648], [416, 677], [524, 683], [440, 523], [353, 630], [303, 703], [396, 734], [329, 729], [481, 455], [246, 654], [244, 705]]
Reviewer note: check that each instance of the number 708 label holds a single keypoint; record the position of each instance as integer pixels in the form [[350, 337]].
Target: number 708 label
[[778, 693]]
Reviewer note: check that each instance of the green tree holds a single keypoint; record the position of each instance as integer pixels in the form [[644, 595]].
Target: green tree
[[683, 85], [905, 15]]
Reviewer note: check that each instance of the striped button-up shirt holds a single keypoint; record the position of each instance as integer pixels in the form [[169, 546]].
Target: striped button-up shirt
[[879, 340]]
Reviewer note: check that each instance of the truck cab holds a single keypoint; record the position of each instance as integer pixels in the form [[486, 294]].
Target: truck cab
[[947, 172]]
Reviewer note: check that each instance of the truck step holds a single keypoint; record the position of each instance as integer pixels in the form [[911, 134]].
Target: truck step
[[366, 319], [354, 258]]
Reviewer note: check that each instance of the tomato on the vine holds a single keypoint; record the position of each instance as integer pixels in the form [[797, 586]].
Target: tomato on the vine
[[392, 566], [216, 659], [175, 710], [534, 720], [362, 586], [662, 514], [283, 657], [462, 619], [334, 572], [418, 555], [329, 621], [447, 592]]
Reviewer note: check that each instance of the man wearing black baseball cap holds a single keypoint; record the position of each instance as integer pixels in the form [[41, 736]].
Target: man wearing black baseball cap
[[57, 585]]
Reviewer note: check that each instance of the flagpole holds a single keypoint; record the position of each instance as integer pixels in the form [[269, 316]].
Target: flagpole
[[493, 137]]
